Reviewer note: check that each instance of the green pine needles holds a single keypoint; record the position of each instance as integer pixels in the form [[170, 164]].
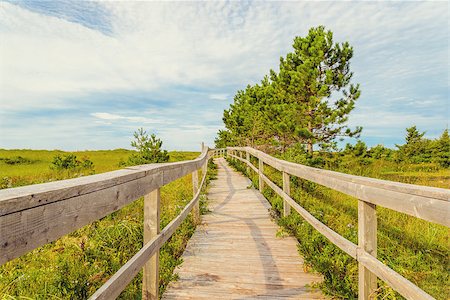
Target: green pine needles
[[306, 102]]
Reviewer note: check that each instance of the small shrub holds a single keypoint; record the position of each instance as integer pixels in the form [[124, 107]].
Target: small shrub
[[71, 163]]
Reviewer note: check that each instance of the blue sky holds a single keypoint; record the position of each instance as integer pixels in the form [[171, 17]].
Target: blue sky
[[80, 75]]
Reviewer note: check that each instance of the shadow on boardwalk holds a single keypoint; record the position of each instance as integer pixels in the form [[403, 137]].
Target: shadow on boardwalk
[[235, 253]]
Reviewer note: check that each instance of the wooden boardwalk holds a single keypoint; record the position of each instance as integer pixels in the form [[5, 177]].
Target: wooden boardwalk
[[235, 253]]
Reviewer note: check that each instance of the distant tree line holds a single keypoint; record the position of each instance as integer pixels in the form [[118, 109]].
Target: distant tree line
[[416, 149]]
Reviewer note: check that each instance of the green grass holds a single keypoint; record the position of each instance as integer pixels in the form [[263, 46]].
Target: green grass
[[416, 249], [76, 265]]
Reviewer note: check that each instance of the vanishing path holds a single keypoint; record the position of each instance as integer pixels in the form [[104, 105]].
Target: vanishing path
[[235, 253]]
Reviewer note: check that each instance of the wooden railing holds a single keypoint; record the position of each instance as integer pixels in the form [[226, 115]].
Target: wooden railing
[[427, 203], [35, 215]]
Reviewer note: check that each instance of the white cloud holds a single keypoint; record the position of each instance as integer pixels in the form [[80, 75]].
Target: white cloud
[[220, 97], [214, 48], [134, 119]]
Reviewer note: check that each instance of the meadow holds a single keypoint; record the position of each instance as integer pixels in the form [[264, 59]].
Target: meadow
[[76, 265], [416, 249]]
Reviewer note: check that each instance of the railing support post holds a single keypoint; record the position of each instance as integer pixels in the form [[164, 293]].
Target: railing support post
[[196, 208], [287, 190], [367, 240], [150, 280], [247, 157], [205, 165], [261, 171]]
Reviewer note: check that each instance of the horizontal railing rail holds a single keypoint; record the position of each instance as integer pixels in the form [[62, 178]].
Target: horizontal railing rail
[[35, 215], [427, 203]]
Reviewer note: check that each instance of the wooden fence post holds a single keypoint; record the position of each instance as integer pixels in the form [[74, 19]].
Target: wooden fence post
[[196, 208], [261, 171], [205, 165], [367, 240], [287, 190], [247, 157], [150, 279]]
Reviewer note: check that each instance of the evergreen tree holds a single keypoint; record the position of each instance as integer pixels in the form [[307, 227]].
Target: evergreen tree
[[149, 149], [308, 81], [441, 151], [307, 102], [415, 147]]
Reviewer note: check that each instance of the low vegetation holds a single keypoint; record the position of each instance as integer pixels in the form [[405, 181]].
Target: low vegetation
[[416, 249], [76, 265]]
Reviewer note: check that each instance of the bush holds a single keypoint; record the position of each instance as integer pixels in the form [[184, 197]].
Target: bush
[[71, 163], [149, 150]]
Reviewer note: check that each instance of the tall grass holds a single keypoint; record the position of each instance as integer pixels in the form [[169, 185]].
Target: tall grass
[[416, 249], [76, 265]]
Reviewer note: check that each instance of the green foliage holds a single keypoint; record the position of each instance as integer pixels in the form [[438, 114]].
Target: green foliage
[[76, 265], [71, 163], [148, 148], [418, 149], [416, 249], [16, 160], [441, 150], [307, 101]]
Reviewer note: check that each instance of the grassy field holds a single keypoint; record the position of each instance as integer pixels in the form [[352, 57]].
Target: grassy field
[[416, 249], [76, 265]]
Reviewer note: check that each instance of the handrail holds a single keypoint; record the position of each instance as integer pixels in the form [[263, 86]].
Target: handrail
[[431, 204], [35, 215], [427, 203], [117, 283]]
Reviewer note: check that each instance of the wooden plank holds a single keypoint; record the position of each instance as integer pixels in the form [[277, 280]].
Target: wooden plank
[[367, 240], [402, 285], [196, 209], [369, 262], [235, 252], [117, 283], [261, 174], [287, 191], [150, 280], [35, 215], [347, 246], [428, 203]]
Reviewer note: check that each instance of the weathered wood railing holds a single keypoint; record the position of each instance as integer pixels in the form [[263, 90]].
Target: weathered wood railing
[[35, 215], [427, 203]]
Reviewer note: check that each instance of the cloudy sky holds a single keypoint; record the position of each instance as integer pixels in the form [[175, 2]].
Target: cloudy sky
[[85, 75]]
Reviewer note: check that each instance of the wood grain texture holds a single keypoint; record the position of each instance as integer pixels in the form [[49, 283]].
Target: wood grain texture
[[367, 240], [235, 253], [427, 203], [150, 278], [367, 235], [287, 190], [117, 283], [35, 215]]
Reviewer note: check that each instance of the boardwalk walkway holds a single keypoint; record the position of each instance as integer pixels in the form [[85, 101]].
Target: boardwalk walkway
[[235, 254]]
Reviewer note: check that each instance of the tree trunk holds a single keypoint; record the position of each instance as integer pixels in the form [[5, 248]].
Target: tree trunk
[[310, 140]]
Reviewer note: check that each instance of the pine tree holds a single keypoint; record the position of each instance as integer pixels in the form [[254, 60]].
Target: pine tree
[[309, 78], [149, 149]]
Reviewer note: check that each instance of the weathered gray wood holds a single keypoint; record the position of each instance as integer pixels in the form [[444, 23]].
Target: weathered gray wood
[[35, 215], [287, 190], [196, 209], [150, 278], [247, 158], [236, 254], [117, 283], [402, 285], [367, 240], [369, 262], [428, 203], [347, 246], [261, 174]]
